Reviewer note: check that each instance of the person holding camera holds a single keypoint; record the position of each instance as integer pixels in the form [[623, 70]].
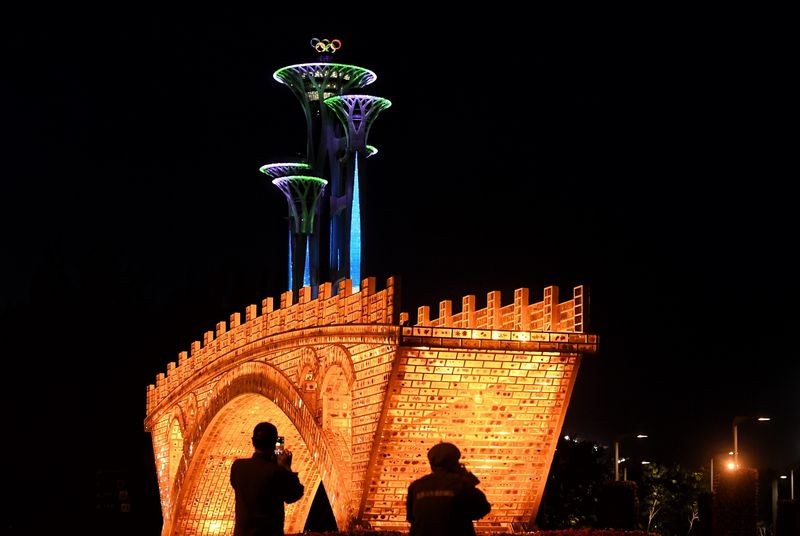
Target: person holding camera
[[263, 483], [446, 501]]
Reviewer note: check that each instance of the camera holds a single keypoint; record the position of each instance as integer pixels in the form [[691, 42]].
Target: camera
[[279, 445]]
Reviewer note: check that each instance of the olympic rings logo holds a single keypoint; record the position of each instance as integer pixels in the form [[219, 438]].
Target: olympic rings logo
[[326, 45]]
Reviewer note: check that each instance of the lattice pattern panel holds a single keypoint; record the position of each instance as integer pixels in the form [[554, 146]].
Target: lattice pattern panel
[[357, 113], [314, 82]]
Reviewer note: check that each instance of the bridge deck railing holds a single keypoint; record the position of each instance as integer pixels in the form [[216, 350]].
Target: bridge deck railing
[[367, 306]]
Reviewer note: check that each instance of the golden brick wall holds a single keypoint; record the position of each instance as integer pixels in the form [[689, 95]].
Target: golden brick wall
[[360, 400], [504, 411]]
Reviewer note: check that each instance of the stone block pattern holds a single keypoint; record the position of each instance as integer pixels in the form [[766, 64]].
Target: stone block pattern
[[503, 409], [361, 396]]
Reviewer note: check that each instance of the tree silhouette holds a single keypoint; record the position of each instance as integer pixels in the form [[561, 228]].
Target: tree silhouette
[[669, 498], [573, 485]]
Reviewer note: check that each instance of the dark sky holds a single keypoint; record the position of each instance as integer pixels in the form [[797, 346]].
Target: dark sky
[[644, 155]]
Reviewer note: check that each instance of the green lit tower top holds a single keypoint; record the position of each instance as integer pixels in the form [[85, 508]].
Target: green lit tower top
[[337, 125]]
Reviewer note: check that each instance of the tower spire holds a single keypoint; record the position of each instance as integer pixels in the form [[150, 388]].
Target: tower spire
[[302, 193], [337, 122]]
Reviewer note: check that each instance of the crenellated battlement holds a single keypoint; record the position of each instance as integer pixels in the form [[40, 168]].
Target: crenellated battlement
[[345, 307], [358, 390], [348, 373], [546, 315], [367, 306]]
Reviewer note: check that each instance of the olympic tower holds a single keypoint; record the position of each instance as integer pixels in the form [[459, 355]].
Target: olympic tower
[[360, 391], [325, 190]]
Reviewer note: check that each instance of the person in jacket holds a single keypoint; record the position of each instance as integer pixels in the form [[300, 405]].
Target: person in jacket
[[263, 483], [446, 501]]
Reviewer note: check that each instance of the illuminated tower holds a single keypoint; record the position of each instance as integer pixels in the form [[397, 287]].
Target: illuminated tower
[[356, 113], [335, 150], [359, 391], [302, 247], [302, 192]]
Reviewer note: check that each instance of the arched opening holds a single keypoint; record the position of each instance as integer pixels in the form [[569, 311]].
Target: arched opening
[[307, 381], [175, 448], [336, 408], [207, 501]]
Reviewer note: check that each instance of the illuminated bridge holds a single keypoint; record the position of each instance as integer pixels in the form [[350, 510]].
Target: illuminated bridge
[[361, 394]]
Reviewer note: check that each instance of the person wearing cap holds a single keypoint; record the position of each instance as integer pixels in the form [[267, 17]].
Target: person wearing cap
[[446, 501], [263, 483]]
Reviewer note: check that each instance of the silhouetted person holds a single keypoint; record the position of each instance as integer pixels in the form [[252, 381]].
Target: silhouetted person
[[445, 502], [262, 484]]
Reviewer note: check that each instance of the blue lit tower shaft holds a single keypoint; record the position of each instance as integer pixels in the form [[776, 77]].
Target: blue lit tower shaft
[[333, 151], [303, 193], [302, 246], [356, 114]]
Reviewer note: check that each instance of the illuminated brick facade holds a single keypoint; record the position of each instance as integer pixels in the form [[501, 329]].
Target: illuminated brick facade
[[361, 396]]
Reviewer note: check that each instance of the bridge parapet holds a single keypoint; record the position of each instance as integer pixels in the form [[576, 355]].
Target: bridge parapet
[[367, 306], [379, 391], [546, 315]]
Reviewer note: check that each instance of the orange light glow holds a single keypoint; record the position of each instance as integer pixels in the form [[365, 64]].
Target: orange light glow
[[361, 398]]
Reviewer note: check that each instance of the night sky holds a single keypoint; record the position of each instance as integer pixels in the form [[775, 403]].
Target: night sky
[[643, 155]]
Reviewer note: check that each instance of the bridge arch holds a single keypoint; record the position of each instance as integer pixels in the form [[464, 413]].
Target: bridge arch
[[308, 378], [308, 363], [251, 393], [335, 400], [495, 380], [338, 355], [176, 446], [189, 410]]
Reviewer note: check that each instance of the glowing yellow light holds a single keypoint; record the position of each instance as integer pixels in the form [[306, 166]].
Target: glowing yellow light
[[495, 381], [731, 466]]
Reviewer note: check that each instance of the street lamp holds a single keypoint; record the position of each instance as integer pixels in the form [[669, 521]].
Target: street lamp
[[736, 421], [616, 450], [711, 467]]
